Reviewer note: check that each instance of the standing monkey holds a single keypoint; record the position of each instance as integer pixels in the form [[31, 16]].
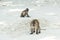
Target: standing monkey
[[35, 26], [25, 13]]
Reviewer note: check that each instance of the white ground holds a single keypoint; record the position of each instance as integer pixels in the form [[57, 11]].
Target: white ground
[[13, 27]]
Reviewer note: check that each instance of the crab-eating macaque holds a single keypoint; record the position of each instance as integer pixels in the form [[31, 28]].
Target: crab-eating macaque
[[25, 13], [35, 26]]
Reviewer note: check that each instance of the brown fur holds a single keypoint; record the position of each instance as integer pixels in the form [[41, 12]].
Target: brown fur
[[35, 26], [25, 13]]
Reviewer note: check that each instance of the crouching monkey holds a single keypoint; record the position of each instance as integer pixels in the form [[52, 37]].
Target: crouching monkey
[[35, 26], [25, 13]]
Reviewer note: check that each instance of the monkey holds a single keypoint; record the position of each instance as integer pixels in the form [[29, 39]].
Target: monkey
[[25, 13], [35, 26]]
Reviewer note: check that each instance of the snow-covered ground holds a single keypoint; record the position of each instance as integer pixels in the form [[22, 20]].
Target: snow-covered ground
[[13, 27]]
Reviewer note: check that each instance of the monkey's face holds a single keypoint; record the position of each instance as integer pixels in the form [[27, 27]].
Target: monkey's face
[[27, 9]]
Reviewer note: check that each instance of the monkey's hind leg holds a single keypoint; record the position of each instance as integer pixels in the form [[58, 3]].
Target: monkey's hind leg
[[22, 16], [36, 31], [32, 30], [39, 30]]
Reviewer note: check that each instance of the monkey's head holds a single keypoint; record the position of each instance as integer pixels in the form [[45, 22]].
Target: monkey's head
[[27, 9]]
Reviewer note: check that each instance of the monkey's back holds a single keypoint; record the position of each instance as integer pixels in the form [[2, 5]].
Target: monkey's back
[[35, 22]]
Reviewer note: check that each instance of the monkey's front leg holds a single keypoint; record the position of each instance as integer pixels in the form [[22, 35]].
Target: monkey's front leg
[[28, 15]]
